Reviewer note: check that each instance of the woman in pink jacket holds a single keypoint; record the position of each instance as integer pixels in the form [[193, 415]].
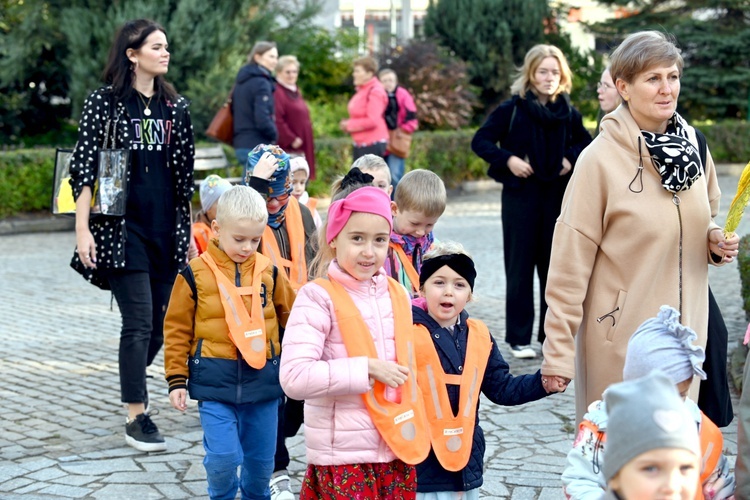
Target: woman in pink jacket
[[401, 115], [347, 453], [366, 122]]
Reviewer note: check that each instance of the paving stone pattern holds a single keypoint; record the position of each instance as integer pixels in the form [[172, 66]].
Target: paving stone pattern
[[62, 424]]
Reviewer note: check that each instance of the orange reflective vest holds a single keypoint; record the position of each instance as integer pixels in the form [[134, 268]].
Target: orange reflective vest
[[452, 435], [411, 273], [402, 425], [712, 446], [296, 269], [202, 234], [246, 330]]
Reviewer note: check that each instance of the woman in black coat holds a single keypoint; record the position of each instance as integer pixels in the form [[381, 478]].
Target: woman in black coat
[[541, 135], [252, 101], [137, 255]]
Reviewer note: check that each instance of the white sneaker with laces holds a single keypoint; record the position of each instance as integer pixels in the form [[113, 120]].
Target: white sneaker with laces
[[522, 351], [281, 486]]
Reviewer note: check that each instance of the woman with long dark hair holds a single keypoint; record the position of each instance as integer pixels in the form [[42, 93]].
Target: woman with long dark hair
[[137, 255], [541, 135]]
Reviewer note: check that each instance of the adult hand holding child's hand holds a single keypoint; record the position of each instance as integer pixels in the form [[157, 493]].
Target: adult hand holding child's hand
[[554, 383], [387, 372]]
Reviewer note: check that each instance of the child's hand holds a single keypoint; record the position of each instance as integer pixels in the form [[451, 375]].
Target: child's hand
[[266, 166], [387, 372], [178, 398], [554, 383]]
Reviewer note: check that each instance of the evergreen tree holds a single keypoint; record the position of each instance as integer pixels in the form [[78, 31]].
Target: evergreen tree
[[714, 37], [493, 36]]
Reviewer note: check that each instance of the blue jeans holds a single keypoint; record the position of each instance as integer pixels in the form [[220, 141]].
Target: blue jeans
[[397, 166], [235, 435]]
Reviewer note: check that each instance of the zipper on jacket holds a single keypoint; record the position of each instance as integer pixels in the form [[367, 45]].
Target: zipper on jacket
[[238, 392], [676, 201]]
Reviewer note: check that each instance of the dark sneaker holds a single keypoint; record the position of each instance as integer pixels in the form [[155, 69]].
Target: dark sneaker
[[522, 351], [142, 434], [281, 486]]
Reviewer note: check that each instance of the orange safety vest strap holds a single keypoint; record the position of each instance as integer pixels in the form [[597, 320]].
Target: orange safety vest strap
[[452, 436], [407, 265], [202, 234], [312, 203], [246, 330], [712, 446], [296, 268], [402, 425]]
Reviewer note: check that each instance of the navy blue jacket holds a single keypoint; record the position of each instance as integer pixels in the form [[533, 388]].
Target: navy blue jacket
[[498, 385], [253, 107]]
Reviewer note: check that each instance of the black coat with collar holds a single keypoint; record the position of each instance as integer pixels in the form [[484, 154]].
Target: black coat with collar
[[109, 232], [498, 385], [253, 107]]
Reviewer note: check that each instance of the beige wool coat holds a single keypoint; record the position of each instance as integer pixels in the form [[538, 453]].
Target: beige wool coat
[[622, 248]]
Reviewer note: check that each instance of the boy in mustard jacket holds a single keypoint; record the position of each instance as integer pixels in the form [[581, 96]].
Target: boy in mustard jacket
[[222, 345]]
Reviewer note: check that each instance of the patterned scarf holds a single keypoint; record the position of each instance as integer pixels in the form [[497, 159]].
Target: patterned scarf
[[414, 247], [676, 158]]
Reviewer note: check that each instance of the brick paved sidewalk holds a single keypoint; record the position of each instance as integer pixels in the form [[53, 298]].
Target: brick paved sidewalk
[[61, 423]]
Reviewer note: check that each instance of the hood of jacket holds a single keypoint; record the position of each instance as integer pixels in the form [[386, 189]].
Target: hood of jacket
[[254, 70]]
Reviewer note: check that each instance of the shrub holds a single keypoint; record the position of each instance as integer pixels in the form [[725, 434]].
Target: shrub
[[727, 140], [743, 262], [26, 180]]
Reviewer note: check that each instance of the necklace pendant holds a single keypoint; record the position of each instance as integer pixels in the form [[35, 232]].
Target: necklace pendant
[[147, 112]]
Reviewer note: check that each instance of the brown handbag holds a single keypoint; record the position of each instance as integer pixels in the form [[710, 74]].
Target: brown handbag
[[222, 126], [399, 142]]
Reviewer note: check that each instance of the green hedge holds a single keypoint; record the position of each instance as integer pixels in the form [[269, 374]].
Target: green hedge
[[26, 175]]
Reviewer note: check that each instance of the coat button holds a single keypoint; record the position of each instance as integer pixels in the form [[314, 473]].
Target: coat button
[[196, 361], [437, 335], [275, 361], [460, 368]]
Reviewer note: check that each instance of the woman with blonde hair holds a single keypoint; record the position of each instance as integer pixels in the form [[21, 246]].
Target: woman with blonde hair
[[540, 135], [637, 226]]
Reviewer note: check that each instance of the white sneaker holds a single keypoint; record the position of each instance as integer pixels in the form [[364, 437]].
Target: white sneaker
[[522, 351], [281, 486]]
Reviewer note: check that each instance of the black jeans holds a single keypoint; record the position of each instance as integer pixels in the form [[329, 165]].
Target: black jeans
[[377, 149], [529, 213], [291, 415], [143, 304]]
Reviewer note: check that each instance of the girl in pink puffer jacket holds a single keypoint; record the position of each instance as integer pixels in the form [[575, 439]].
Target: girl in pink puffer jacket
[[347, 455]]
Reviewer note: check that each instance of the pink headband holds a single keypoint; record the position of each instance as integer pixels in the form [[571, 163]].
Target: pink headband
[[368, 199]]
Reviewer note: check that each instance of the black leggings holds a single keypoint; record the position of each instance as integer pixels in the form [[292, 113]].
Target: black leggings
[[143, 304]]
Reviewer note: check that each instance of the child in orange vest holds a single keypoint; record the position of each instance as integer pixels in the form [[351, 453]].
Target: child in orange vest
[[457, 358], [300, 173], [659, 343], [288, 242], [347, 348], [211, 188], [419, 202], [222, 344]]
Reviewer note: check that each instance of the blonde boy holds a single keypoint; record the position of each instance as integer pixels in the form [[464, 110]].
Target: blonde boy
[[419, 202], [209, 353], [378, 168]]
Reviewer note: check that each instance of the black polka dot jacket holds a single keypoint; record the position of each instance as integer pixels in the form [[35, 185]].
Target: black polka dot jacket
[[108, 231]]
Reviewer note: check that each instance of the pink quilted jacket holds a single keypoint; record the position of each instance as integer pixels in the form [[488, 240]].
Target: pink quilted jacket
[[315, 368], [366, 108]]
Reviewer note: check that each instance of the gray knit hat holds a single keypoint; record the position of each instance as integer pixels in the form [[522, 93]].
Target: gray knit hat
[[663, 343], [646, 414], [211, 189]]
